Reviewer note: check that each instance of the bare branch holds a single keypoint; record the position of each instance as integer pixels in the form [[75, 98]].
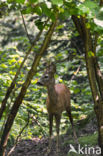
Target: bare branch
[[75, 73], [25, 85], [25, 28], [38, 123], [9, 90], [18, 137]]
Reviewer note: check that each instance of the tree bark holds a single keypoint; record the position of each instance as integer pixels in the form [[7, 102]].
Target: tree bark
[[22, 93], [94, 74]]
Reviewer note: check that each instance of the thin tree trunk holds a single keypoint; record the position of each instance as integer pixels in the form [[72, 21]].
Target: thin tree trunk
[[98, 102], [94, 74], [22, 93], [96, 82]]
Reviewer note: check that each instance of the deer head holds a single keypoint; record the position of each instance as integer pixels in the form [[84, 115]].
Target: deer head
[[48, 76]]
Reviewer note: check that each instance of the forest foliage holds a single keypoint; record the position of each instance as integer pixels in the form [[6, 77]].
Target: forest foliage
[[64, 43]]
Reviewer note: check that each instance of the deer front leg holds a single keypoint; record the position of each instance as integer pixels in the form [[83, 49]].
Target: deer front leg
[[57, 117], [50, 131]]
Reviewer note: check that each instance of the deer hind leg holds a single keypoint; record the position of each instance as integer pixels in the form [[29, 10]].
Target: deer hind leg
[[71, 121], [50, 131], [57, 118]]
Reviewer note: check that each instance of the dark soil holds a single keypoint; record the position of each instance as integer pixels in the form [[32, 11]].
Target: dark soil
[[38, 147]]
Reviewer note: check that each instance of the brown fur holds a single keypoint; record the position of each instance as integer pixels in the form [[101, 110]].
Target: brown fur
[[57, 101], [61, 101]]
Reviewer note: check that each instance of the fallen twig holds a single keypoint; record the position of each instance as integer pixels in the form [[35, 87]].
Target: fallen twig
[[18, 137]]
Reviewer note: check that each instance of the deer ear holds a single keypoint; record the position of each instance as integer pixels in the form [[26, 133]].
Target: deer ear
[[53, 67], [46, 64]]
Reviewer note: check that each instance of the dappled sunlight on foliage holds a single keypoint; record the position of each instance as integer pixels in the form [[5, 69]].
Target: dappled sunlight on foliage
[[36, 32]]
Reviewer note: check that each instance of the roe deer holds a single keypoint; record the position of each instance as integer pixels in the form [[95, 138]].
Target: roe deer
[[57, 101]]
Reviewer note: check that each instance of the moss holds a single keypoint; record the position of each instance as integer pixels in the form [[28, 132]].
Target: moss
[[84, 140], [68, 142], [89, 139], [85, 121], [74, 154]]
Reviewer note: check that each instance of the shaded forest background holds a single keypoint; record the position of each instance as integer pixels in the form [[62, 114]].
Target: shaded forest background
[[17, 32]]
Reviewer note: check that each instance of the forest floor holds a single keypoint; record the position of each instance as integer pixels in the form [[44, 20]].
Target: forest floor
[[38, 147]]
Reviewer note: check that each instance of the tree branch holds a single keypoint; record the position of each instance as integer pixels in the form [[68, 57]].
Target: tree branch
[[26, 28], [90, 62], [38, 123], [18, 137], [9, 90], [75, 73], [26, 84]]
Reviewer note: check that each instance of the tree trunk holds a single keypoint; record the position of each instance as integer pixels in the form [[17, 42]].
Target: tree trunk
[[98, 102], [96, 85], [22, 93], [100, 125], [94, 74]]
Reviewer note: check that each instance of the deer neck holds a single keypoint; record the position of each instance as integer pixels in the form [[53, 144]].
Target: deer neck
[[52, 93]]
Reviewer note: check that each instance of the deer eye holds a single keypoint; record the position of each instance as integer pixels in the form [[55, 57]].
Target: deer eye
[[46, 76]]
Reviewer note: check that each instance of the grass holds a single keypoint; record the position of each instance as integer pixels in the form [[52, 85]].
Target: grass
[[90, 140], [87, 140]]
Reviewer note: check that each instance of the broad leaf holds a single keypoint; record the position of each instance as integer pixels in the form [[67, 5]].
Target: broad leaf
[[28, 10], [90, 4], [33, 1], [99, 18], [57, 2], [45, 9], [38, 10], [39, 24], [20, 1]]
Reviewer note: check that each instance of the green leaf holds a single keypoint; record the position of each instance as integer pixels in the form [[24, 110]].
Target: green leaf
[[38, 10], [33, 1], [57, 2], [83, 9], [90, 4], [10, 1], [99, 14], [88, 25], [59, 27], [72, 8], [52, 16], [65, 14], [28, 10], [45, 9], [77, 90], [4, 66], [90, 54], [20, 1], [99, 18], [39, 24], [88, 7]]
